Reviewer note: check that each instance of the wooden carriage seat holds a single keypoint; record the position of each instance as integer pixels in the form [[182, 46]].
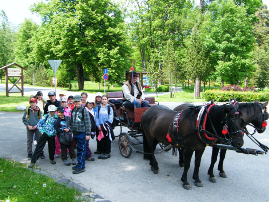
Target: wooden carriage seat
[[116, 95], [152, 101]]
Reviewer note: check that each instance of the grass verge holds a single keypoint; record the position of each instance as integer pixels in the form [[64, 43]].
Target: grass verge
[[18, 183]]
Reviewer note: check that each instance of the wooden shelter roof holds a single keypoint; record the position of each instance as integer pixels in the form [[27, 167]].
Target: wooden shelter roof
[[11, 64]]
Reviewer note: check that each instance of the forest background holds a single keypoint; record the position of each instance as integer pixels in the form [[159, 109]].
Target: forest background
[[175, 41]]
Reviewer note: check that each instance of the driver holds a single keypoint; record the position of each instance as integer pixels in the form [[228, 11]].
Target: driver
[[132, 92]]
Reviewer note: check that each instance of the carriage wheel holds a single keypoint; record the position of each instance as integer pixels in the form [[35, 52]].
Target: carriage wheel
[[124, 145]]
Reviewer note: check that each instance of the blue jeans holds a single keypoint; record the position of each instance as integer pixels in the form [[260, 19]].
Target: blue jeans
[[130, 105], [81, 149]]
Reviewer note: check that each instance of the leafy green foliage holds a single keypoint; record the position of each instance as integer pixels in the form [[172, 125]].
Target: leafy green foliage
[[40, 74], [84, 34], [224, 96]]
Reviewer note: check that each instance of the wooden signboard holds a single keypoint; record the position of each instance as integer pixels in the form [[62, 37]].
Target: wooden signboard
[[14, 72]]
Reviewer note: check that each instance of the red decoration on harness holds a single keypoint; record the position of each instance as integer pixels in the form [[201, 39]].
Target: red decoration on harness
[[168, 138], [264, 124], [224, 130]]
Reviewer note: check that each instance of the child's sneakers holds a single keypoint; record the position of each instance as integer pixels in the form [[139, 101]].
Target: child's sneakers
[[32, 165], [52, 162], [74, 162], [30, 156], [57, 155], [66, 163]]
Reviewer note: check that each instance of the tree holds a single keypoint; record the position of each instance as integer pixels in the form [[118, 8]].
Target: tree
[[23, 46], [6, 40], [232, 35], [84, 34]]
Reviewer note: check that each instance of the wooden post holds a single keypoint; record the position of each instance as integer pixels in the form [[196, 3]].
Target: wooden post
[[22, 89], [6, 76]]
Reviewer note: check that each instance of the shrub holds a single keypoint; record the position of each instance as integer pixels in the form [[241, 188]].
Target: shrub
[[41, 74], [163, 88], [224, 96]]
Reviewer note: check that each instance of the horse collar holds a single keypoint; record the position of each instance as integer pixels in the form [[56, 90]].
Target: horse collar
[[201, 122]]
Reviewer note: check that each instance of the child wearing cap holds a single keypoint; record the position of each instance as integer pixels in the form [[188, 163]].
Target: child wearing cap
[[52, 101], [62, 94], [71, 104], [30, 119], [67, 110], [81, 128], [46, 127], [62, 124]]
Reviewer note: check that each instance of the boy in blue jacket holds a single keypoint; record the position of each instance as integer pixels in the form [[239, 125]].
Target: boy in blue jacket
[[46, 127]]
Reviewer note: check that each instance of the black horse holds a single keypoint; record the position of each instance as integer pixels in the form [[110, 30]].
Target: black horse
[[254, 113], [160, 124]]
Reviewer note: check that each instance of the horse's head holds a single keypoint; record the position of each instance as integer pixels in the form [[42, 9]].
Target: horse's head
[[262, 115], [234, 123], [254, 113]]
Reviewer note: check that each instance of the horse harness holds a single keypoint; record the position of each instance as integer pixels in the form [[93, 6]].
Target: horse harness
[[204, 135]]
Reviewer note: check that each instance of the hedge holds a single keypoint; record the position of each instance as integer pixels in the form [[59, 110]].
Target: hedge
[[224, 96]]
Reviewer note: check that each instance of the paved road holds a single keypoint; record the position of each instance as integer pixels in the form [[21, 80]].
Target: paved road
[[130, 179]]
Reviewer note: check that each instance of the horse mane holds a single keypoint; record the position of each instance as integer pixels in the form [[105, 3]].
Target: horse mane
[[191, 111], [248, 106]]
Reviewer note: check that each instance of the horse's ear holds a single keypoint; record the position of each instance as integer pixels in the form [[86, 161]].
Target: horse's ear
[[236, 105], [264, 104], [256, 101], [228, 108]]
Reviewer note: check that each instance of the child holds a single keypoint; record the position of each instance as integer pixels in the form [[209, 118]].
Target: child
[[67, 110], [61, 94], [81, 128], [46, 126], [30, 119], [89, 106], [104, 119], [40, 101], [71, 104], [98, 100], [62, 124], [84, 99]]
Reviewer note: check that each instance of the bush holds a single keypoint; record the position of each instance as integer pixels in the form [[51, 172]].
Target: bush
[[238, 88], [41, 74], [163, 88], [224, 96]]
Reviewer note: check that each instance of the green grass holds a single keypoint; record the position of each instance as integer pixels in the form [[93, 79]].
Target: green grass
[[19, 183], [9, 104]]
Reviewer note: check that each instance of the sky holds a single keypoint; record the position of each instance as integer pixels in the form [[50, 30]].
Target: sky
[[18, 10]]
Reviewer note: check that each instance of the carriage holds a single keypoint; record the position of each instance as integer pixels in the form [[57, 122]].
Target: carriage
[[130, 118]]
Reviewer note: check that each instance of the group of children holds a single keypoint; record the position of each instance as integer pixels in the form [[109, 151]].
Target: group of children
[[68, 124]]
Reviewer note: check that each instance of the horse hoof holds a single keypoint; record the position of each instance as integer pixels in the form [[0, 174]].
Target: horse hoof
[[212, 179], [187, 186], [181, 164], [154, 170], [223, 175], [198, 184]]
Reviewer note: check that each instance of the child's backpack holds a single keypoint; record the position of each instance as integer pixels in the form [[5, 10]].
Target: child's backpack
[[29, 111]]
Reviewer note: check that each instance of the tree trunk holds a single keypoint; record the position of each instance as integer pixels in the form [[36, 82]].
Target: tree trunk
[[80, 76], [197, 88], [204, 87], [143, 57], [246, 82]]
